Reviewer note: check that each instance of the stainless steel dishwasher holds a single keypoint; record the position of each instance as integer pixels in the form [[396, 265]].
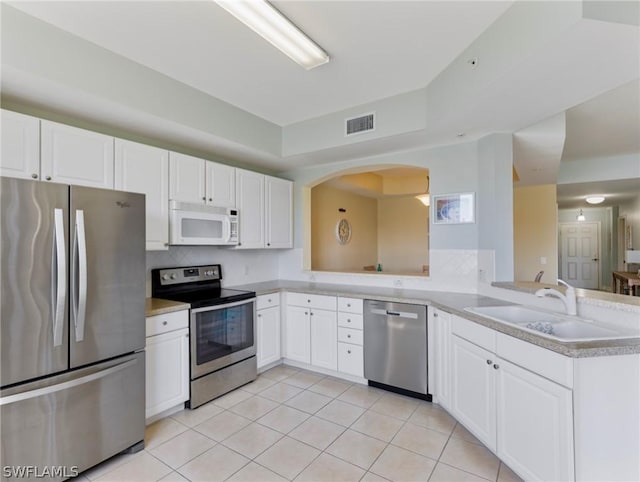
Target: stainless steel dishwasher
[[395, 347]]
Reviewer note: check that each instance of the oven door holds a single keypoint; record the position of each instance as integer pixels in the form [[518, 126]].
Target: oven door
[[222, 335]]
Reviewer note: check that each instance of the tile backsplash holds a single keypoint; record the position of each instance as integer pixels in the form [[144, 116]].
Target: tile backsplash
[[238, 266]]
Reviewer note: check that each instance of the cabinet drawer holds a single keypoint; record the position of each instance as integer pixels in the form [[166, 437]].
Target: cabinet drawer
[[544, 362], [350, 305], [348, 335], [158, 324], [350, 320], [312, 301], [267, 301], [350, 359], [475, 333]]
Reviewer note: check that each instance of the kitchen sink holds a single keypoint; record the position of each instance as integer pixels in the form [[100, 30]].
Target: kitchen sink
[[553, 325]]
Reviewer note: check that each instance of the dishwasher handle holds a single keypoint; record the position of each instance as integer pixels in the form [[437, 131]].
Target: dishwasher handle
[[399, 314]]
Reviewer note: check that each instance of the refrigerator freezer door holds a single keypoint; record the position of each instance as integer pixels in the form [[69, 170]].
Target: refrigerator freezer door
[[73, 421], [107, 274], [34, 223]]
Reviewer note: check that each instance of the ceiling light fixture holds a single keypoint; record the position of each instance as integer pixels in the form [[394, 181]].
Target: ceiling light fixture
[[261, 17], [581, 217], [594, 199], [425, 198]]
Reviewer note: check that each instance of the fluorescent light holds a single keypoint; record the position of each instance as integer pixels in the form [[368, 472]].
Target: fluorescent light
[[581, 217], [261, 17], [424, 199], [594, 199]]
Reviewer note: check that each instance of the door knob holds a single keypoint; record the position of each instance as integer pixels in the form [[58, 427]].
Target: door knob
[[595, 259]]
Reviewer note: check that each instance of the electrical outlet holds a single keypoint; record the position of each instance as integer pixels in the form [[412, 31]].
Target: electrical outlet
[[543, 260], [482, 275], [397, 283]]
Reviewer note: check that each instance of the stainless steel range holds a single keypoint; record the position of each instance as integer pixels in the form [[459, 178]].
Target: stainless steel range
[[222, 328]]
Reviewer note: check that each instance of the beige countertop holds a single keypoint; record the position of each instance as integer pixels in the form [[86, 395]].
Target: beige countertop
[[453, 303], [157, 306]]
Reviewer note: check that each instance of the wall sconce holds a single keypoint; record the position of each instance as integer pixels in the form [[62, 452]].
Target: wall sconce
[[581, 217]]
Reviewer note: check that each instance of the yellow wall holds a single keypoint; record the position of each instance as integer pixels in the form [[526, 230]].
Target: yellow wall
[[403, 234], [327, 253], [535, 220]]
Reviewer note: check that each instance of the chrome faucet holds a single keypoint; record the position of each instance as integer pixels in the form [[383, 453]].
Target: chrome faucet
[[568, 298]]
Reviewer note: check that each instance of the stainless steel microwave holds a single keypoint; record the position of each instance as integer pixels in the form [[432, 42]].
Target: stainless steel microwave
[[198, 224]]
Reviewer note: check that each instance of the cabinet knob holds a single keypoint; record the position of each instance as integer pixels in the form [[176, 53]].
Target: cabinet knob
[[187, 335], [269, 300], [308, 301], [259, 316], [306, 313], [349, 352], [311, 313], [210, 199], [489, 362], [435, 315], [164, 323], [239, 244], [348, 320], [204, 198], [48, 178], [348, 336], [496, 366], [35, 176], [348, 305], [268, 244]]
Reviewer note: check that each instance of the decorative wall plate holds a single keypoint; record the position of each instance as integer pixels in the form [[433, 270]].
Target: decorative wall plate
[[343, 231]]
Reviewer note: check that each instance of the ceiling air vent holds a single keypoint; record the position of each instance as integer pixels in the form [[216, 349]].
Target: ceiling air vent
[[361, 124]]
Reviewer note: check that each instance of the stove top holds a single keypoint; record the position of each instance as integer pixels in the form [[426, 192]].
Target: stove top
[[197, 285]]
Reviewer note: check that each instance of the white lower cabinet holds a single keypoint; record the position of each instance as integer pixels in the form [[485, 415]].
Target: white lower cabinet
[[268, 327], [525, 418], [298, 334], [441, 321], [473, 385], [167, 362], [351, 359], [324, 339]]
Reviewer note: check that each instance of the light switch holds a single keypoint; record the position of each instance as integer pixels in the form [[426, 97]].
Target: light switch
[[543, 260]]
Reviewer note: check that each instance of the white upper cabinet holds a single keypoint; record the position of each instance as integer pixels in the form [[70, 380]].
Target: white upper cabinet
[[279, 212], [265, 210], [76, 156], [250, 204], [145, 169], [20, 155], [200, 181]]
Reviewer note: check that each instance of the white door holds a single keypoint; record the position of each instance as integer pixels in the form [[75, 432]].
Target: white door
[[279, 212], [473, 389], [324, 339], [20, 155], [268, 349], [220, 185], [167, 371], [250, 204], [186, 178], [76, 156], [579, 254], [535, 424], [298, 334], [145, 169]]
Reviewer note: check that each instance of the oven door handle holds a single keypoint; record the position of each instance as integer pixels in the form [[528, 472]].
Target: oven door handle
[[222, 307]]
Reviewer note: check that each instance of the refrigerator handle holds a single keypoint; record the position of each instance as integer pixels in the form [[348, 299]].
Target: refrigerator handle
[[79, 276], [58, 275], [39, 392]]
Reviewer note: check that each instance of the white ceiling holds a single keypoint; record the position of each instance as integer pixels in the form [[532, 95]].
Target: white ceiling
[[378, 48]]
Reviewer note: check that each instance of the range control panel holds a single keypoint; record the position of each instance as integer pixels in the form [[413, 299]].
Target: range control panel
[[193, 274]]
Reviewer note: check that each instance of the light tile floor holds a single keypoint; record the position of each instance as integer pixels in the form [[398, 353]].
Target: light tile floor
[[292, 424]]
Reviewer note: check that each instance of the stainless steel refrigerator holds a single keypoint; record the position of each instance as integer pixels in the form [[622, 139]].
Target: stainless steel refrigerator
[[71, 325]]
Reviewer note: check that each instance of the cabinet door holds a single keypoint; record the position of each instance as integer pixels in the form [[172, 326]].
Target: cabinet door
[[145, 169], [351, 359], [298, 334], [535, 424], [268, 350], [279, 212], [20, 155], [473, 389], [76, 156], [167, 369], [324, 339], [186, 178], [250, 204], [442, 329], [220, 185]]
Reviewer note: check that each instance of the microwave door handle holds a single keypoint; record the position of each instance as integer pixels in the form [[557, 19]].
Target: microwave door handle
[[226, 235], [58, 275]]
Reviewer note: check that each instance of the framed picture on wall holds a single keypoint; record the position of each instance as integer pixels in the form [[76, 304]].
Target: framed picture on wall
[[454, 208], [628, 237]]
